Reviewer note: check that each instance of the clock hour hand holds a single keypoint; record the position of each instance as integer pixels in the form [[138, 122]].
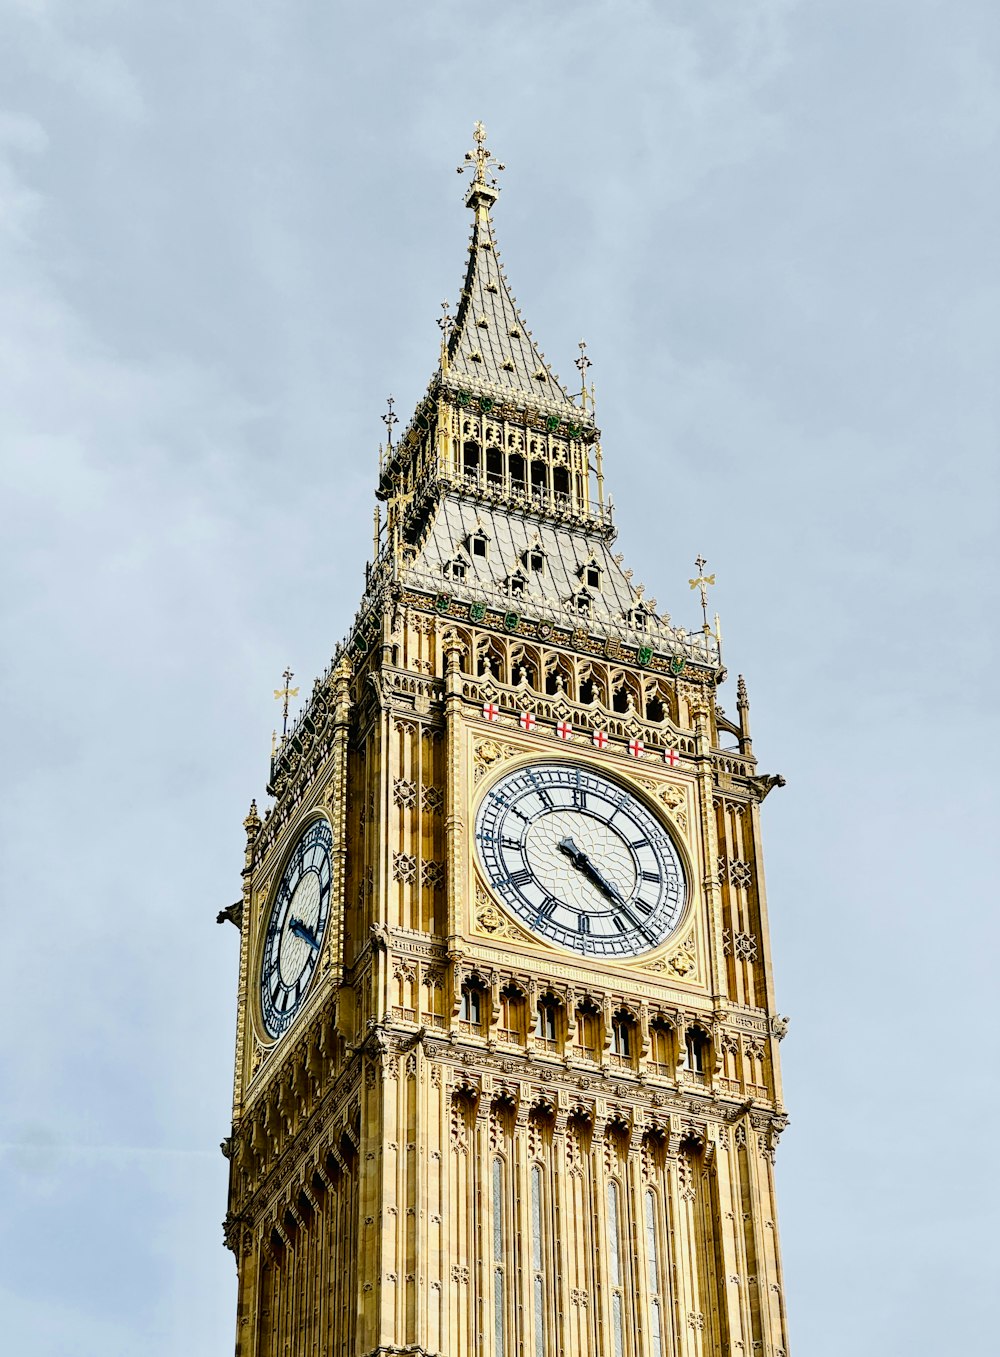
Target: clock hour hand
[[303, 931], [583, 864]]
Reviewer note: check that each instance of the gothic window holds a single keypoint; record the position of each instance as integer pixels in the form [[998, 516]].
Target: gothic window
[[624, 1036], [516, 464], [654, 708], [491, 661], [582, 602], [638, 619], [534, 559], [524, 669], [494, 467], [560, 482], [696, 1052], [455, 569], [619, 700], [512, 1015], [539, 477], [547, 1022], [557, 678], [472, 1007], [470, 460], [660, 1046], [588, 1030], [516, 584]]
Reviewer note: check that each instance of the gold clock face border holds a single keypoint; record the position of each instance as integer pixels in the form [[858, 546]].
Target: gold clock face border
[[262, 1035], [692, 879]]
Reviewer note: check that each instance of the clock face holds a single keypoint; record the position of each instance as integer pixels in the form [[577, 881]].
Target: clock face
[[580, 860], [295, 928]]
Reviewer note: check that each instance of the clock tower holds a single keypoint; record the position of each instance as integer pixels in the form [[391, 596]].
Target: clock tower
[[507, 1052]]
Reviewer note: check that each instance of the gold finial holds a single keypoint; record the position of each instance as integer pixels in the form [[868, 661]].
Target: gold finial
[[284, 694], [483, 189], [389, 419], [583, 363], [446, 325], [702, 583]]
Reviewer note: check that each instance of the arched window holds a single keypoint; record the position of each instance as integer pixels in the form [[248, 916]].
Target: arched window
[[472, 1007], [588, 1030], [516, 464], [624, 1037], [494, 467], [661, 1046], [696, 1053], [547, 1022], [512, 1015], [470, 460]]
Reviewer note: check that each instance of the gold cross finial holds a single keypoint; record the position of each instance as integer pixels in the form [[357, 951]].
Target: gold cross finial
[[482, 158], [702, 583], [583, 363], [284, 694], [389, 419]]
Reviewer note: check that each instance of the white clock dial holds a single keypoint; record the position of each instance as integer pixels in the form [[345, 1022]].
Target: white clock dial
[[580, 859], [295, 928]]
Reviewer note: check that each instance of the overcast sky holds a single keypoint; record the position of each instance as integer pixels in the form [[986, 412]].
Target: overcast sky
[[225, 231]]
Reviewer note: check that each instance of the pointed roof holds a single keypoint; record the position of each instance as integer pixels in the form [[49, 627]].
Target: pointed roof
[[490, 350]]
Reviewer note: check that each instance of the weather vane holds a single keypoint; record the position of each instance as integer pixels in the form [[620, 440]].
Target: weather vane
[[482, 158], [583, 363], [389, 419], [284, 694], [702, 583]]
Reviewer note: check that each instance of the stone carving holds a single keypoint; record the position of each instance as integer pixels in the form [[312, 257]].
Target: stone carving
[[404, 792], [490, 920], [745, 946], [489, 752], [679, 963], [432, 875], [431, 798], [404, 866]]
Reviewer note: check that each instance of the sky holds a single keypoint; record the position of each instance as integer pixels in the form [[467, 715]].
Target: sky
[[225, 233]]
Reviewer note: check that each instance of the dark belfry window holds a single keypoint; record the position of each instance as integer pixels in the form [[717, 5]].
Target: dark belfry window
[[619, 701], [654, 709], [587, 690], [592, 577], [494, 466], [470, 456], [516, 464], [479, 543], [560, 480], [539, 478]]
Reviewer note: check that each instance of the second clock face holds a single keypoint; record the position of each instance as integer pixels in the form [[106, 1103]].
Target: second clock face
[[580, 859], [295, 928]]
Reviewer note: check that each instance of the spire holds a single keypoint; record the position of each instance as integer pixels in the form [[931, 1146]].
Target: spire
[[490, 352]]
